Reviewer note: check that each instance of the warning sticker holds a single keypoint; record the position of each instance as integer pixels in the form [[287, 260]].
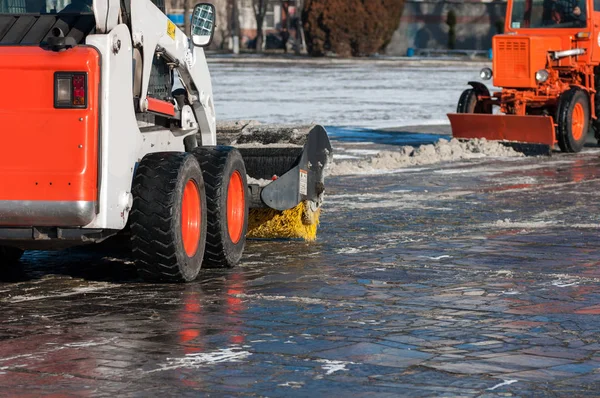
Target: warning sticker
[[303, 182], [171, 29]]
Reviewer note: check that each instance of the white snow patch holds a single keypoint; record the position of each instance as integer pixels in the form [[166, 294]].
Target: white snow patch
[[90, 343], [563, 283], [292, 384], [368, 152], [436, 258], [410, 200], [334, 366], [344, 157], [407, 156], [198, 360], [349, 250], [505, 273], [504, 383], [508, 223], [304, 300], [585, 226], [15, 357], [72, 292]]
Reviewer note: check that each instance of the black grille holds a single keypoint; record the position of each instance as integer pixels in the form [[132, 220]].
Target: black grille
[[160, 79]]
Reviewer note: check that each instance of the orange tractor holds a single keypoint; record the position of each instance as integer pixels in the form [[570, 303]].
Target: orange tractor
[[547, 64]]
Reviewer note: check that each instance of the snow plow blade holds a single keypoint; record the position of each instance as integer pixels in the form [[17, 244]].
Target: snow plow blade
[[532, 135], [285, 167]]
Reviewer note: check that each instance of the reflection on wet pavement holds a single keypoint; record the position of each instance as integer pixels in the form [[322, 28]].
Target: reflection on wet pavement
[[474, 278]]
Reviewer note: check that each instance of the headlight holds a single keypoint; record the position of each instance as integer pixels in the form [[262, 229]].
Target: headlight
[[541, 75], [485, 74]]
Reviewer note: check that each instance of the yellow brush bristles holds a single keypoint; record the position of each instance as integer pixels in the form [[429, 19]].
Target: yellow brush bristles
[[297, 223]]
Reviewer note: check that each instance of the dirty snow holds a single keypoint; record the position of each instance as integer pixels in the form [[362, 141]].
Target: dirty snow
[[258, 181], [407, 156]]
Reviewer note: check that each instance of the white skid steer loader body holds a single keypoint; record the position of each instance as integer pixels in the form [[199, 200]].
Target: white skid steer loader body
[[122, 142]]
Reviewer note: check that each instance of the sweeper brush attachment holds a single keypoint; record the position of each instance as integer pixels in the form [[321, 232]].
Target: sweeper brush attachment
[[297, 223], [285, 167]]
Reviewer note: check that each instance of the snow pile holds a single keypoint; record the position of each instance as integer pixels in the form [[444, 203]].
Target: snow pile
[[406, 156]]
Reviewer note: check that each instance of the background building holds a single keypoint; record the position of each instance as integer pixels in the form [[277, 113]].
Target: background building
[[423, 24]]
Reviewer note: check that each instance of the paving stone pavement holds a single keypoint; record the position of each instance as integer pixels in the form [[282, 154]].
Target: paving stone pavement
[[476, 278]]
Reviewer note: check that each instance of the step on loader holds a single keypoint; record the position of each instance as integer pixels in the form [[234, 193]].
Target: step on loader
[[109, 131], [547, 64]]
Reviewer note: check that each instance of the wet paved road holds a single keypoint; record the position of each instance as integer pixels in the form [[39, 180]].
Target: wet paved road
[[478, 278]]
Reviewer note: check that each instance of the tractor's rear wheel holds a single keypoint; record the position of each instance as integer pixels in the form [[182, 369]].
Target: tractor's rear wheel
[[468, 103], [168, 218], [226, 190], [10, 256], [572, 119]]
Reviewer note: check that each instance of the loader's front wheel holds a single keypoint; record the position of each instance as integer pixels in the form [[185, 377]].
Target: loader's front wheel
[[572, 119], [468, 103], [10, 256], [168, 217], [226, 188]]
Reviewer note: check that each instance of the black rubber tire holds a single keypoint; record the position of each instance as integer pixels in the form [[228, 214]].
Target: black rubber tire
[[468, 103], [564, 129], [155, 219], [218, 165], [10, 256]]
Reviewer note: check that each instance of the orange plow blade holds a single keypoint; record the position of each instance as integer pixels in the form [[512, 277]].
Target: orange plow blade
[[532, 134]]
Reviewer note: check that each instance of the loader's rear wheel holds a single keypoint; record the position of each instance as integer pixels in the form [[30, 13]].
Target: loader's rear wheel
[[468, 103], [10, 256], [572, 119], [168, 218], [226, 187]]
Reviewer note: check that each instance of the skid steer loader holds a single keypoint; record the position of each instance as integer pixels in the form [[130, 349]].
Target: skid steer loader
[[547, 63], [109, 127]]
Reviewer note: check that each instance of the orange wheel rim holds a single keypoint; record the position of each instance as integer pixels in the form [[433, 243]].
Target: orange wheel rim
[[236, 206], [191, 218], [577, 121]]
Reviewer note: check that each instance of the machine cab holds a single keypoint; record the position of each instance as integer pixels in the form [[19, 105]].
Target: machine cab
[[576, 23]]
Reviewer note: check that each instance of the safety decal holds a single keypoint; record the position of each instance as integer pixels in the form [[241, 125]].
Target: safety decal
[[171, 29], [303, 182]]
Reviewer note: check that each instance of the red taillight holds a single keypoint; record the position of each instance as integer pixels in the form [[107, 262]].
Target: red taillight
[[70, 90]]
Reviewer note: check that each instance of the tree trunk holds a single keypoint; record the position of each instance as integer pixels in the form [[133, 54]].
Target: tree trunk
[[186, 17], [260, 9], [300, 46], [285, 6], [235, 27], [259, 33]]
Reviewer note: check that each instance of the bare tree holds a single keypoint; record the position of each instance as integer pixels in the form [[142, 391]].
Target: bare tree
[[260, 10]]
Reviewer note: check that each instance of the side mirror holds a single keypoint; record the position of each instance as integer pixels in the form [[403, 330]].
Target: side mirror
[[203, 24]]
